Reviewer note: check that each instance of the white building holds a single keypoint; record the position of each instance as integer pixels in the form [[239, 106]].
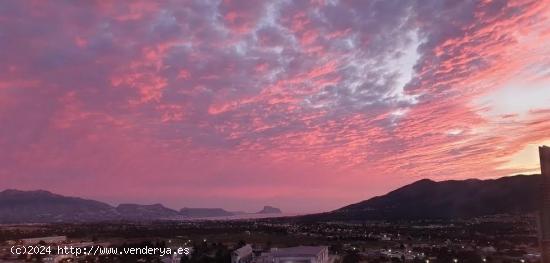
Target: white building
[[301, 254], [242, 255]]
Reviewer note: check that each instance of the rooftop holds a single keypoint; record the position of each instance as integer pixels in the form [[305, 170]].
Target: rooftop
[[298, 251], [243, 251]]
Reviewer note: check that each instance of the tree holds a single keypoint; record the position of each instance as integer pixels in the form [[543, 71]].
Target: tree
[[351, 257]]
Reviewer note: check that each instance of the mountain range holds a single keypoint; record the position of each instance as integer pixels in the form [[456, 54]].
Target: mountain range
[[424, 199], [44, 207], [453, 199], [270, 210]]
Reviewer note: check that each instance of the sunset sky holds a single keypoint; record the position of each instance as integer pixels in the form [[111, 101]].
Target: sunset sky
[[303, 105]]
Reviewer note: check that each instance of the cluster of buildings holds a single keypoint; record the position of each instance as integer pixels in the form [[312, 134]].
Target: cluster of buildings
[[299, 254], [60, 250], [51, 254]]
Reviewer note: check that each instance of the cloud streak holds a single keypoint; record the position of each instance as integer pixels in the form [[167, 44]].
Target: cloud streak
[[236, 104]]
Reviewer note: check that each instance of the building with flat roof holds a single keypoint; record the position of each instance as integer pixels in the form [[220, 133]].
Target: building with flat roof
[[242, 255], [300, 254]]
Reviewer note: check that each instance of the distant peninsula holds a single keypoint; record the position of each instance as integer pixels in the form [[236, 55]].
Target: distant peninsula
[[270, 210]]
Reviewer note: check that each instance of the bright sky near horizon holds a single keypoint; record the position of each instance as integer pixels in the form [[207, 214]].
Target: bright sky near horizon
[[303, 105]]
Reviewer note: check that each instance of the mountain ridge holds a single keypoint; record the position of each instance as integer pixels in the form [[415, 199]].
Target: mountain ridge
[[42, 206], [449, 199], [269, 210], [422, 199]]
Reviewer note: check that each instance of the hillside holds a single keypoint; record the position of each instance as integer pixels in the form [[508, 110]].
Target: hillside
[[43, 206], [427, 199]]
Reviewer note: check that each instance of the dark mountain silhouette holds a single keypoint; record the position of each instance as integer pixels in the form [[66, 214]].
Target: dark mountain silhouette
[[42, 206], [145, 212], [427, 199], [270, 210], [424, 199]]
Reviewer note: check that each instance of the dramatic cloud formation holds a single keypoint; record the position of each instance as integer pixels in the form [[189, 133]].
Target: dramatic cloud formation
[[306, 105]]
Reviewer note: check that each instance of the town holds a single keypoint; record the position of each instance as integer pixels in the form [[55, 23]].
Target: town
[[498, 238]]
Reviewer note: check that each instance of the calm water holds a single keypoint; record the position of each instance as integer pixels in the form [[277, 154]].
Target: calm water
[[244, 216]]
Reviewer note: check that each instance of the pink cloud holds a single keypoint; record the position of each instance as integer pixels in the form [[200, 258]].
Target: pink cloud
[[179, 101]]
